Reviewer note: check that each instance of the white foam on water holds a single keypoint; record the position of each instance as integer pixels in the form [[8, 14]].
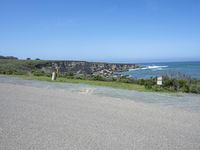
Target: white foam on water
[[152, 67], [156, 67]]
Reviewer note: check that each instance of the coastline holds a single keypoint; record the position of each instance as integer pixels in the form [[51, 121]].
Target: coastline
[[104, 74]]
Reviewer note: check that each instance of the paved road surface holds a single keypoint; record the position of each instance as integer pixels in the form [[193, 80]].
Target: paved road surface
[[53, 119]]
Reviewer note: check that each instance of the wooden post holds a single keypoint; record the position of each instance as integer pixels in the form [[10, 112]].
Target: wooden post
[[53, 76]]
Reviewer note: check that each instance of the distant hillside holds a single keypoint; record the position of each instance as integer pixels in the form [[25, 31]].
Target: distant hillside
[[8, 57]]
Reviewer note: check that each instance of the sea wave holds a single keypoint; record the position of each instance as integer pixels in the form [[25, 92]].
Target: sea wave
[[152, 67]]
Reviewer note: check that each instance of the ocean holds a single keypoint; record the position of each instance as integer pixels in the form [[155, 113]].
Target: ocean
[[148, 70]]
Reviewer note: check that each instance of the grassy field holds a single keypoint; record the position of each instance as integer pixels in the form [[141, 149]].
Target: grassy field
[[114, 84]]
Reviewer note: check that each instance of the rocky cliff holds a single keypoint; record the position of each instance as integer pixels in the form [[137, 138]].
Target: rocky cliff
[[83, 67], [42, 67]]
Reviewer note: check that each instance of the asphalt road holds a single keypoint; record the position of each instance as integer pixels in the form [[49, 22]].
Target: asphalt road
[[53, 119]]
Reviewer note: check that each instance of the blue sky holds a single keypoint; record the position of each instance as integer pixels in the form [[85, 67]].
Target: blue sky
[[101, 30]]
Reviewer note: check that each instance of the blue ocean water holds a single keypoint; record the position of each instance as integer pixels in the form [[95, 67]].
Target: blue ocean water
[[147, 70]]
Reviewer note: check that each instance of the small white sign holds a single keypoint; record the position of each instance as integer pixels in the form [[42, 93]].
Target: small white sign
[[159, 80]]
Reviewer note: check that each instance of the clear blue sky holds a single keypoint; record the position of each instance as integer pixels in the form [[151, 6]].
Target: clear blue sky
[[101, 30]]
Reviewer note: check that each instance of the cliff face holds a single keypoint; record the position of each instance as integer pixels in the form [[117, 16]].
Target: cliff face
[[83, 67]]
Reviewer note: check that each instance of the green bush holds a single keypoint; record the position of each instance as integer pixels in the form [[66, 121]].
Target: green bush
[[185, 88], [195, 89], [98, 78], [38, 73], [141, 81], [149, 83]]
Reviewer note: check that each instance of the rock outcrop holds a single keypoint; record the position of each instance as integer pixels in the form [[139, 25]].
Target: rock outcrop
[[84, 67]]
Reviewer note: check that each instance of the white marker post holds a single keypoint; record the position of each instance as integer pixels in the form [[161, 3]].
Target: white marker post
[[159, 80], [53, 76]]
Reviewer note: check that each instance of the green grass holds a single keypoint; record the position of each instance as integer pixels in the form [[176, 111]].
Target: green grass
[[113, 84], [18, 67]]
